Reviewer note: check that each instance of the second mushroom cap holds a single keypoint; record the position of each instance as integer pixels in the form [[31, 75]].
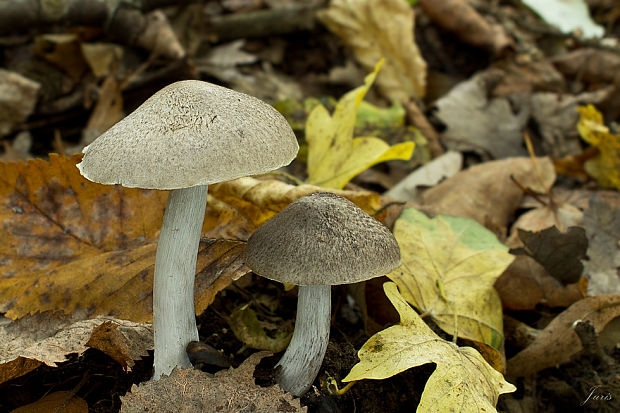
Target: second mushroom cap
[[322, 239]]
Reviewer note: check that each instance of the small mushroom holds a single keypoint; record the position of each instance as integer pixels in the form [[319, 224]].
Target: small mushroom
[[318, 241], [186, 136]]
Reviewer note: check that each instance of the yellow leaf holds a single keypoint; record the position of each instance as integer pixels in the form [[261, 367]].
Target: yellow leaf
[[605, 167], [378, 28], [463, 381], [449, 267], [334, 157]]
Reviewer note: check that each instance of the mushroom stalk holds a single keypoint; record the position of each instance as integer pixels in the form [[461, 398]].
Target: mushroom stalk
[[303, 358], [174, 318]]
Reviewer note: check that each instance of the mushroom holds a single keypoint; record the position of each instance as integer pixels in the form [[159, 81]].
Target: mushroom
[[319, 240], [186, 136]]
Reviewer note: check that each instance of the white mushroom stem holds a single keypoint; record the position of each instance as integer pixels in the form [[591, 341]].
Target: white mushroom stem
[[174, 318], [303, 358]]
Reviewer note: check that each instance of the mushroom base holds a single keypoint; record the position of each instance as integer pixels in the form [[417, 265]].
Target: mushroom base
[[174, 318], [303, 358]]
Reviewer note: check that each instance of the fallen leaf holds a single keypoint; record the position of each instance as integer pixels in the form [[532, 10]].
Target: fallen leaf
[[605, 167], [475, 122], [526, 284], [462, 18], [229, 391], [377, 29], [486, 192], [593, 65], [567, 15], [18, 98], [73, 245], [252, 332], [107, 112], [449, 267], [559, 253], [558, 342], [334, 156], [410, 188], [63, 51], [59, 401], [101, 57], [47, 338], [121, 343], [556, 117], [554, 213], [222, 61], [462, 377], [602, 225]]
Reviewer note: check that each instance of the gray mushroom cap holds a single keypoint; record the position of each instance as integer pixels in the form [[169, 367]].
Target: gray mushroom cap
[[191, 133], [322, 239]]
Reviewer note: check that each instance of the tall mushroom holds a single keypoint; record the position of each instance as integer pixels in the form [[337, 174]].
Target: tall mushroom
[[186, 136], [317, 241]]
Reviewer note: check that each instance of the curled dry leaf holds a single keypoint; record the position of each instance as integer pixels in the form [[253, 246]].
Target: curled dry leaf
[[72, 245], [47, 338], [558, 342], [462, 377], [462, 19], [486, 192], [228, 391], [377, 29]]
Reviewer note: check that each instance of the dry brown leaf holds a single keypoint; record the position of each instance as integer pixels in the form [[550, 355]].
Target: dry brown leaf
[[559, 214], [59, 402], [525, 284], [486, 193], [229, 391], [107, 112], [63, 51], [73, 245], [121, 343], [462, 19], [558, 342], [47, 338], [101, 57], [18, 98], [377, 29], [591, 65], [474, 121]]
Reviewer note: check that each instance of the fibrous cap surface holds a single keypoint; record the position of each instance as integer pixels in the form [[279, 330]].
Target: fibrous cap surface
[[322, 239], [191, 133]]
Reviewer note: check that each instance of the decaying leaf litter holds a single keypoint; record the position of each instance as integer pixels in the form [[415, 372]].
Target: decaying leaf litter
[[484, 137]]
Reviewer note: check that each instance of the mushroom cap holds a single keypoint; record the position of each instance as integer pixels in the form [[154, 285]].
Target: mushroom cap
[[322, 239], [191, 133]]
